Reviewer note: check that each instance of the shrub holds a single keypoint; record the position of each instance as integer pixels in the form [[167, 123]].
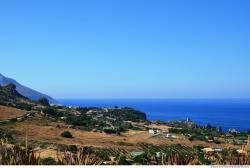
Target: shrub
[[110, 131], [28, 108], [81, 157], [121, 160], [62, 147], [44, 101], [6, 134], [48, 161], [67, 134], [72, 148], [13, 120], [52, 112], [17, 156], [191, 138], [141, 159]]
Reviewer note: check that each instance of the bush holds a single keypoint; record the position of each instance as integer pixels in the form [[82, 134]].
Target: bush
[[81, 157], [141, 159], [44, 101], [6, 134], [48, 161], [72, 148], [28, 108], [191, 138], [17, 156], [121, 160], [13, 120], [110, 131], [62, 147], [67, 134], [52, 112]]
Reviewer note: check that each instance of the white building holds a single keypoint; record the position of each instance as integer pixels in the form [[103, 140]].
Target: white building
[[169, 136], [154, 131]]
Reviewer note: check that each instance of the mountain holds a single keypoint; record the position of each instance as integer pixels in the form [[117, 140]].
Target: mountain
[[23, 90], [9, 93]]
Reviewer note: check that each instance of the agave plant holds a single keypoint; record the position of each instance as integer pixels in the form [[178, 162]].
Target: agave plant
[[80, 157], [237, 159], [17, 156], [228, 157]]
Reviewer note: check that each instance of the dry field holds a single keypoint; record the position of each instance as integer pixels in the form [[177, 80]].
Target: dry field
[[161, 127], [44, 153], [9, 112], [47, 132], [43, 131]]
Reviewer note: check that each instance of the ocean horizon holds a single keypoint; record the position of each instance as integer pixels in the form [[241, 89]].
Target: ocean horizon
[[224, 113]]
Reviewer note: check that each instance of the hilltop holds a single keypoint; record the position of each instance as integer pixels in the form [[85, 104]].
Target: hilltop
[[23, 90]]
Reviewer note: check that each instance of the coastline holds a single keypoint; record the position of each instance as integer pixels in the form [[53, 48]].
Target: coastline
[[225, 113]]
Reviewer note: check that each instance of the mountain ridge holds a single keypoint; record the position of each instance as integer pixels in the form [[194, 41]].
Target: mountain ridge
[[25, 91]]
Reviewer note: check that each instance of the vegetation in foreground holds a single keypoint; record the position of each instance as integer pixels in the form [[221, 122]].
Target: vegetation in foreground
[[150, 155]]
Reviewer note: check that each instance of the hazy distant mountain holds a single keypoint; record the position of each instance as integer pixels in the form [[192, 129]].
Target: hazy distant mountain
[[23, 90]]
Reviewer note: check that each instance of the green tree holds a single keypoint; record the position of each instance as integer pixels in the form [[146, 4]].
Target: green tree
[[67, 134], [44, 101]]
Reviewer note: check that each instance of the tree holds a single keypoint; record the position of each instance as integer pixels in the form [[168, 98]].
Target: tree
[[43, 101], [67, 134]]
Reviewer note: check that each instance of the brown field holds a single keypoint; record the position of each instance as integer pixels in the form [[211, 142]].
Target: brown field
[[44, 153], [43, 131], [161, 127], [9, 112], [47, 132]]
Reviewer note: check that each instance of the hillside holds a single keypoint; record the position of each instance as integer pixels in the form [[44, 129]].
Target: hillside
[[9, 113], [9, 93], [23, 90], [53, 130]]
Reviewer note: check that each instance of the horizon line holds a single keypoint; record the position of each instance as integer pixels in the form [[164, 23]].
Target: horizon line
[[152, 98]]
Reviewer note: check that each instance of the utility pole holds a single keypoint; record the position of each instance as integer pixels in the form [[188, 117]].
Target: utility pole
[[26, 141]]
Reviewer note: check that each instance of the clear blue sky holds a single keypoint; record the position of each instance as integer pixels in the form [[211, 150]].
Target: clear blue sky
[[128, 48]]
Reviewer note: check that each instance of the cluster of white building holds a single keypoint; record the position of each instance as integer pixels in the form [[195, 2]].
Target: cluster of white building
[[158, 132]]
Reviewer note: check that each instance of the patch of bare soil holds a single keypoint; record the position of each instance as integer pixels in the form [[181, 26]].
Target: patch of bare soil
[[9, 113]]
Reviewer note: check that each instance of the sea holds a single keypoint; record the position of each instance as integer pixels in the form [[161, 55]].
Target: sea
[[224, 113]]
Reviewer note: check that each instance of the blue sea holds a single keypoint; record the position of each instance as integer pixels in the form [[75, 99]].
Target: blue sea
[[226, 113]]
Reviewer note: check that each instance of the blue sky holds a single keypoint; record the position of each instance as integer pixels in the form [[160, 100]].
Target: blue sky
[[128, 48]]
